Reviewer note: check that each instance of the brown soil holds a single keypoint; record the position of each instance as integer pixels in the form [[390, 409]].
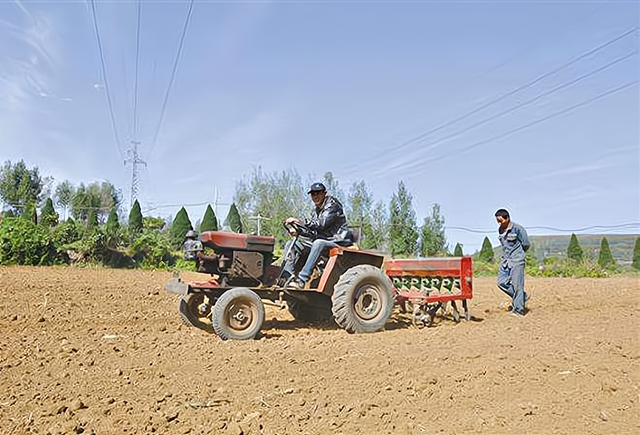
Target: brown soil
[[103, 351]]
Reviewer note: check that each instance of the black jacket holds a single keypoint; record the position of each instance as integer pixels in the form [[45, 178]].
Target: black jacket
[[329, 220]]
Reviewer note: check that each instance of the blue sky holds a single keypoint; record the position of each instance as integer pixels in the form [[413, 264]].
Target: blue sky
[[340, 87]]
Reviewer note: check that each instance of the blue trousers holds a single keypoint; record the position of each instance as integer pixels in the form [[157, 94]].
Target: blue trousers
[[314, 248], [511, 281]]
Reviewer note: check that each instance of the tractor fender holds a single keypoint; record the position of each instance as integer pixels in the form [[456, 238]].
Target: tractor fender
[[341, 260]]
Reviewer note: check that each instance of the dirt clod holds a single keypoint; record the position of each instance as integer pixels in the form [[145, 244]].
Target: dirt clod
[[114, 359]]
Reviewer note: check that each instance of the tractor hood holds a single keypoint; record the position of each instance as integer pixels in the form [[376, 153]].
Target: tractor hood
[[223, 240]]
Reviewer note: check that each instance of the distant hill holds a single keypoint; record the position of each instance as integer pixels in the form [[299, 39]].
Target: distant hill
[[556, 246]]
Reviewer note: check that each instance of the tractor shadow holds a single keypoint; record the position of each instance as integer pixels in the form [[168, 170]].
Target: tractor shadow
[[292, 325], [397, 321]]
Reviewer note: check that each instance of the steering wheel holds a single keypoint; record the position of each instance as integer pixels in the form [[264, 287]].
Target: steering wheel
[[296, 229]]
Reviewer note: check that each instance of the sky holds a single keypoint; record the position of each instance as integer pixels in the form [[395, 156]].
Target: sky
[[382, 91]]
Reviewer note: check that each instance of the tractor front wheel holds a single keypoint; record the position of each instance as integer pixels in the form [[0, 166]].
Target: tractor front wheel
[[238, 314], [362, 299], [195, 310]]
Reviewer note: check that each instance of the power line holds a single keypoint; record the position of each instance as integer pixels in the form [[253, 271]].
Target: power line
[[182, 205], [530, 124], [135, 86], [173, 74], [509, 93], [630, 225], [528, 102], [104, 77]]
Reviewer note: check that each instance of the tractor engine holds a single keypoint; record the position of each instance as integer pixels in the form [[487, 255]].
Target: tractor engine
[[239, 259]]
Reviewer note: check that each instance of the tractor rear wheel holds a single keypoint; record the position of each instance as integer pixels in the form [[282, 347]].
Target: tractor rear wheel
[[362, 299], [238, 314], [195, 310]]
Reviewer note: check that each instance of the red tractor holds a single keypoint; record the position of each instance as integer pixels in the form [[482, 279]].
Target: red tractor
[[356, 288], [347, 284]]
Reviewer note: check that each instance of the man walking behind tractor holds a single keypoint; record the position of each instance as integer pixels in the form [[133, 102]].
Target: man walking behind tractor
[[515, 242]]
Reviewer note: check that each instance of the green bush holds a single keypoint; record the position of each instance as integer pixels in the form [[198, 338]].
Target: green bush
[[182, 264], [23, 242], [152, 250], [568, 268], [483, 268]]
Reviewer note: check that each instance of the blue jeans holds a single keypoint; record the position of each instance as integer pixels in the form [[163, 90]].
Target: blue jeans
[[315, 249], [511, 281]]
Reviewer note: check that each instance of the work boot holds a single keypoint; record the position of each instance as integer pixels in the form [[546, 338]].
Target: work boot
[[296, 283]]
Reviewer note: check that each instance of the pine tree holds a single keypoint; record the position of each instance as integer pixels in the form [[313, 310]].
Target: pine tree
[[403, 233], [486, 252], [179, 227], [233, 220], [432, 237], [605, 259], [574, 251], [135, 219], [31, 213], [636, 255], [112, 222], [48, 215], [209, 221], [92, 222], [457, 251]]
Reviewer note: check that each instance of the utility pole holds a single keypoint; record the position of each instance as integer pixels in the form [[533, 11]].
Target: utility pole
[[135, 160], [215, 202], [259, 219]]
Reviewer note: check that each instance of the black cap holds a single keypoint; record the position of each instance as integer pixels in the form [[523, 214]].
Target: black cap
[[317, 187]]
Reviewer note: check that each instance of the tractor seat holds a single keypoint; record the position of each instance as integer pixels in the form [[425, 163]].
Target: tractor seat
[[348, 239]]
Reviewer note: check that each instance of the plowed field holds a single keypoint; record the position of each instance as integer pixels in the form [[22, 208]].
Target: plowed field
[[100, 351]]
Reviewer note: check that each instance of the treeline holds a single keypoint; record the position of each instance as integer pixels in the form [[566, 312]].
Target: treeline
[[46, 223], [575, 263], [86, 222]]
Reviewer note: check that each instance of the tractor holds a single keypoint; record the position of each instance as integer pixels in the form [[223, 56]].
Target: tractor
[[348, 285]]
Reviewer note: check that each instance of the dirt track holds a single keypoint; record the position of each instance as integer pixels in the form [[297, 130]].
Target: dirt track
[[103, 351]]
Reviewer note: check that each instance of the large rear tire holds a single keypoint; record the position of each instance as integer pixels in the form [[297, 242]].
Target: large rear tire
[[238, 315], [362, 299], [195, 310]]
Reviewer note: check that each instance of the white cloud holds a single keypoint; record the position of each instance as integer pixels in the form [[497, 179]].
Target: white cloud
[[573, 170], [30, 57]]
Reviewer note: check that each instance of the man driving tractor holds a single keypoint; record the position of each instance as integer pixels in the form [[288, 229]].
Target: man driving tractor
[[327, 229]]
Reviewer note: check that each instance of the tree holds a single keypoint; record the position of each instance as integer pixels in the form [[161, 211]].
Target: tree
[[112, 222], [635, 263], [457, 251], [233, 220], [432, 238], [403, 233], [113, 235], [21, 186], [179, 227], [271, 197], [98, 196], [31, 213], [333, 187], [92, 221], [64, 195], [48, 215], [486, 252], [605, 259], [375, 235], [135, 219], [574, 251], [209, 220], [358, 206]]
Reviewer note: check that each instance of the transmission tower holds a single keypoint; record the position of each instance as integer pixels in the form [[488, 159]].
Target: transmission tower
[[135, 160]]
